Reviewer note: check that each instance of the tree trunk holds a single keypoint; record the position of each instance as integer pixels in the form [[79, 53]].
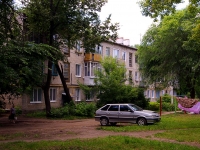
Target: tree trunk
[[192, 92], [67, 97], [46, 90]]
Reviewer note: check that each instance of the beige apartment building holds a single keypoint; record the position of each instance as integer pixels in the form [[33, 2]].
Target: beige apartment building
[[79, 66]]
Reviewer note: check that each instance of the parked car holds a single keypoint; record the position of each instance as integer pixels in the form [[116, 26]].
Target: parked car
[[125, 113]]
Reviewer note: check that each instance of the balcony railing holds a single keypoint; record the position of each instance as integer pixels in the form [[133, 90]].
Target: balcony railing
[[92, 57]]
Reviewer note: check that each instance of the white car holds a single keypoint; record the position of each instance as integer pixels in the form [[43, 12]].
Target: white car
[[125, 113]]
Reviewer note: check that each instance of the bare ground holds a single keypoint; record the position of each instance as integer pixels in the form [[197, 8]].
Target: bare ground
[[32, 129]]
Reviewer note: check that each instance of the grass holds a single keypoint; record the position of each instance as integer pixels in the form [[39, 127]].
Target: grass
[[180, 127], [182, 135], [168, 122], [107, 143]]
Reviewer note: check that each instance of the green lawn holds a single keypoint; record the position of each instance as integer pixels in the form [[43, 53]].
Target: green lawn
[[108, 143], [180, 127]]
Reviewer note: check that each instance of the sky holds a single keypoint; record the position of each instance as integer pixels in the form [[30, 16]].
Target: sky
[[128, 14]]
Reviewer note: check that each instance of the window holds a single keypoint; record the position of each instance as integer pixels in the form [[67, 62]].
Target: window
[[157, 94], [78, 70], [130, 77], [66, 71], [152, 93], [37, 95], [124, 108], [107, 51], [114, 108], [136, 76], [123, 55], [148, 94], [98, 49], [78, 46], [95, 66], [77, 96], [87, 69], [130, 60], [91, 71], [105, 107], [89, 96], [116, 53], [54, 70], [52, 94]]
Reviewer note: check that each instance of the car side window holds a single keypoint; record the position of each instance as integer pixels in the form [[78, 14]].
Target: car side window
[[114, 108], [124, 108], [105, 107]]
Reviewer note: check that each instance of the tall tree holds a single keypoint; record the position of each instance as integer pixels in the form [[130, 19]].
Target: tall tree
[[71, 20], [160, 8], [19, 67], [110, 85], [168, 52]]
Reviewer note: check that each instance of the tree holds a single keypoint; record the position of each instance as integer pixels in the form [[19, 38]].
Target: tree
[[72, 21], [110, 85], [168, 52], [20, 69], [160, 8]]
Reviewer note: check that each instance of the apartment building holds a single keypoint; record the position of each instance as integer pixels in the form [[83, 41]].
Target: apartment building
[[78, 67]]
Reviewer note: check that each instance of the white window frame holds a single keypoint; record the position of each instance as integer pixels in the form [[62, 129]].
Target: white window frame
[[99, 49], [116, 53], [78, 46], [107, 51], [136, 76], [152, 94], [38, 97], [124, 56], [77, 94], [78, 70], [52, 94], [91, 96]]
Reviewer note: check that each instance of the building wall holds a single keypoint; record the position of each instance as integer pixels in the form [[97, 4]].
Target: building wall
[[74, 58]]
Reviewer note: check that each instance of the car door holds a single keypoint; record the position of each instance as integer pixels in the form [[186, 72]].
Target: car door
[[126, 114], [113, 113]]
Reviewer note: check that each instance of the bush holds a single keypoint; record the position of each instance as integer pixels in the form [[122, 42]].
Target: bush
[[85, 110], [155, 106], [166, 98], [18, 110]]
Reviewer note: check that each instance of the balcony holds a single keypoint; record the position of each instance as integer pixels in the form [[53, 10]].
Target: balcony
[[88, 80], [92, 57]]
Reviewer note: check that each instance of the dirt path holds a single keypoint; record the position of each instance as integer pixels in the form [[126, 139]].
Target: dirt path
[[31, 129]]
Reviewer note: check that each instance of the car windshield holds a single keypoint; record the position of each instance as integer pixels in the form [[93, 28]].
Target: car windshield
[[135, 107]]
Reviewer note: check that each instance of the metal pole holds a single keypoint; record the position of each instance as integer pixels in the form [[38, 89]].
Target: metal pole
[[160, 106]]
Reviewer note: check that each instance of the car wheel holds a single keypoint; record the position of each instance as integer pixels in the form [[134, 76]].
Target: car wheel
[[113, 123], [141, 121], [104, 121]]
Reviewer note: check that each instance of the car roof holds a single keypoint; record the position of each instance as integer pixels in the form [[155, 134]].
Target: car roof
[[120, 104]]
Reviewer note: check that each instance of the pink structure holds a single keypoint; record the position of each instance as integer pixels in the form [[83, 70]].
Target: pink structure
[[195, 109]]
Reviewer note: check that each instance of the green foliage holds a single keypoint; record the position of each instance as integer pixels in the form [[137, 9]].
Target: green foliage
[[101, 143], [166, 98], [111, 84], [155, 106], [18, 110], [168, 52], [82, 109], [158, 9], [85, 110]]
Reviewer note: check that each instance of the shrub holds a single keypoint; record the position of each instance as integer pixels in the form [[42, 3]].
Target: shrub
[[18, 110], [85, 110], [153, 106], [166, 98]]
